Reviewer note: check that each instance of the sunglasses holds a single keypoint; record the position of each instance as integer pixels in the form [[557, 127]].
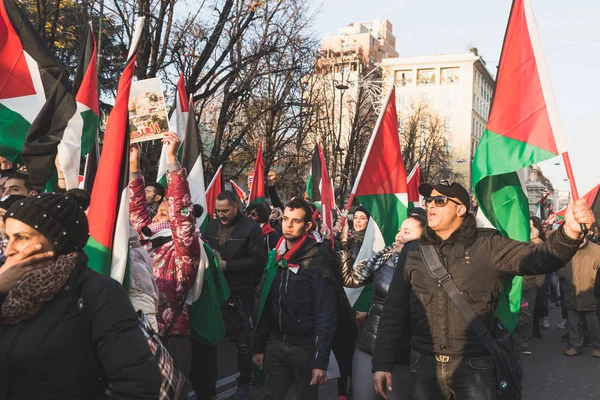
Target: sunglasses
[[439, 201]]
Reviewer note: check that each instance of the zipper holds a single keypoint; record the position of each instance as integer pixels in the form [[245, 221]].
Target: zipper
[[316, 347]]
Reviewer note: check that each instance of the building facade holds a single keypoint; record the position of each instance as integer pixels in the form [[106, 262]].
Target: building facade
[[457, 88]]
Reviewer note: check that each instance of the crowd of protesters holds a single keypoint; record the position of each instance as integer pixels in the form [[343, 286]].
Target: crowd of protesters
[[67, 332]]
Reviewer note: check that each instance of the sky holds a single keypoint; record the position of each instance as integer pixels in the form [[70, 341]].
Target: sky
[[570, 38]]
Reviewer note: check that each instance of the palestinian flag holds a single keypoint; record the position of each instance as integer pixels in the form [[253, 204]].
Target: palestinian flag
[[192, 162], [540, 205], [381, 188], [177, 123], [313, 183], [86, 89], [523, 129], [257, 190], [412, 182], [37, 105], [108, 216], [327, 195], [213, 190], [241, 194], [593, 202]]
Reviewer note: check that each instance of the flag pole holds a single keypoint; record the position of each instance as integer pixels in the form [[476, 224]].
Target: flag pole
[[364, 161], [573, 184]]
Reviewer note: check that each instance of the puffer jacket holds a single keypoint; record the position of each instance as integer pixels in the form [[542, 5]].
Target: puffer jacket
[[174, 264], [379, 271], [579, 277], [477, 260], [84, 340]]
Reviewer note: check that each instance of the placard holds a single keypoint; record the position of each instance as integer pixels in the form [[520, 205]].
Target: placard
[[147, 111]]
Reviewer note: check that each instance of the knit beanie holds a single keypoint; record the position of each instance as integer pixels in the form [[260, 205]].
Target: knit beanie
[[59, 217], [9, 200]]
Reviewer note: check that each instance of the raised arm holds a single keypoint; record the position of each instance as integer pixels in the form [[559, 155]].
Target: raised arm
[[138, 208], [183, 223]]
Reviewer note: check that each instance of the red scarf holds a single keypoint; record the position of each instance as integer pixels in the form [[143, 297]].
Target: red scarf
[[288, 254], [267, 228]]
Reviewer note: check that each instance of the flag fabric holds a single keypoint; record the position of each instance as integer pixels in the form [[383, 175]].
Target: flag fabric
[[191, 160], [327, 195], [381, 188], [85, 85], [108, 216], [539, 212], [257, 189], [523, 129], [241, 194], [91, 168], [593, 201], [37, 105], [213, 190], [206, 306], [313, 182], [412, 185], [177, 124]]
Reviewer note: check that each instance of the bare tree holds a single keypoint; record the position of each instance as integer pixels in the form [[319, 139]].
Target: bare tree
[[424, 141]]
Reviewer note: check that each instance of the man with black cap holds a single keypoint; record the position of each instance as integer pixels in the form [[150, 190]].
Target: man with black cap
[[447, 358]]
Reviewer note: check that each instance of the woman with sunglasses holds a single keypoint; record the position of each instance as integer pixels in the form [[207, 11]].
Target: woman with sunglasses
[[379, 270], [66, 332]]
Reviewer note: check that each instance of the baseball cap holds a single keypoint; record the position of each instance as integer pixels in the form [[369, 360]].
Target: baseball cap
[[455, 190]]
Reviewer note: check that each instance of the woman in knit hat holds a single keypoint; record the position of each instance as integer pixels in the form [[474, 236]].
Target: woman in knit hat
[[65, 331], [175, 250]]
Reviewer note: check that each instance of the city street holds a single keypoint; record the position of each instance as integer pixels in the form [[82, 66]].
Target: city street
[[549, 374]]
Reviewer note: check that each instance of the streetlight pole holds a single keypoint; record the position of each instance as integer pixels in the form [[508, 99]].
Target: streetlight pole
[[342, 87]]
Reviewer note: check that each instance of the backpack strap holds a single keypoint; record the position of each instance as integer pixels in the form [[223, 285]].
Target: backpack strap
[[434, 263]]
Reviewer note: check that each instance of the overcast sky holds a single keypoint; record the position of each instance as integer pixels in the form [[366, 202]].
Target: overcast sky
[[569, 33]]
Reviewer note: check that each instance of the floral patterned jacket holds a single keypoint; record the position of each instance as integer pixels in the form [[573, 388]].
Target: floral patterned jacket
[[175, 264]]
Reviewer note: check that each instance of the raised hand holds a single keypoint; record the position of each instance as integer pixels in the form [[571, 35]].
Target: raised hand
[[577, 214], [172, 141]]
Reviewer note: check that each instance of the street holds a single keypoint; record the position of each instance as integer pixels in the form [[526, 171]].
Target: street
[[549, 374]]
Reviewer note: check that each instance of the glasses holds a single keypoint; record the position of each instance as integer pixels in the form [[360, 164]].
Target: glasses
[[439, 201], [253, 214]]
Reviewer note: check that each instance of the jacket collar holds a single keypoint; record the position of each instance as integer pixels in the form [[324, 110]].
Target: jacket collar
[[465, 234]]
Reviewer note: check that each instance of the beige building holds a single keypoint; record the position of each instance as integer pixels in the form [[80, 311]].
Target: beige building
[[457, 88], [345, 64]]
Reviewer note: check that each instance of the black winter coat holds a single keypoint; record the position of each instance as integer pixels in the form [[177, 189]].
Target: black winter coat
[[368, 334], [478, 260], [242, 247], [65, 352], [315, 309]]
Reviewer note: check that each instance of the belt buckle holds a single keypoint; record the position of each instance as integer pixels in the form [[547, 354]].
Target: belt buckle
[[441, 358]]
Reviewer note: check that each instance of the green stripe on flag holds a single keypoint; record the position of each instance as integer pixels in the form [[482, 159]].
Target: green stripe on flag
[[13, 130], [99, 256], [388, 212], [500, 196], [90, 131]]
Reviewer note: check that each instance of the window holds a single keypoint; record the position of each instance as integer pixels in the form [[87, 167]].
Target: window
[[449, 76], [401, 100], [426, 76], [448, 124], [402, 78], [449, 100], [425, 98]]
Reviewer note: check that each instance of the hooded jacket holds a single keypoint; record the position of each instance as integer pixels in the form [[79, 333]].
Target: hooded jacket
[[84, 340], [477, 260], [175, 263]]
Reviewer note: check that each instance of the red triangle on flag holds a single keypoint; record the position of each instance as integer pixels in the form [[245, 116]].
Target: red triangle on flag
[[382, 171], [519, 109], [212, 191], [15, 78]]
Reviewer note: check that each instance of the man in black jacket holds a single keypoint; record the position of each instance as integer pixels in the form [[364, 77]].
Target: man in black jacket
[[239, 243], [298, 312], [447, 359]]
